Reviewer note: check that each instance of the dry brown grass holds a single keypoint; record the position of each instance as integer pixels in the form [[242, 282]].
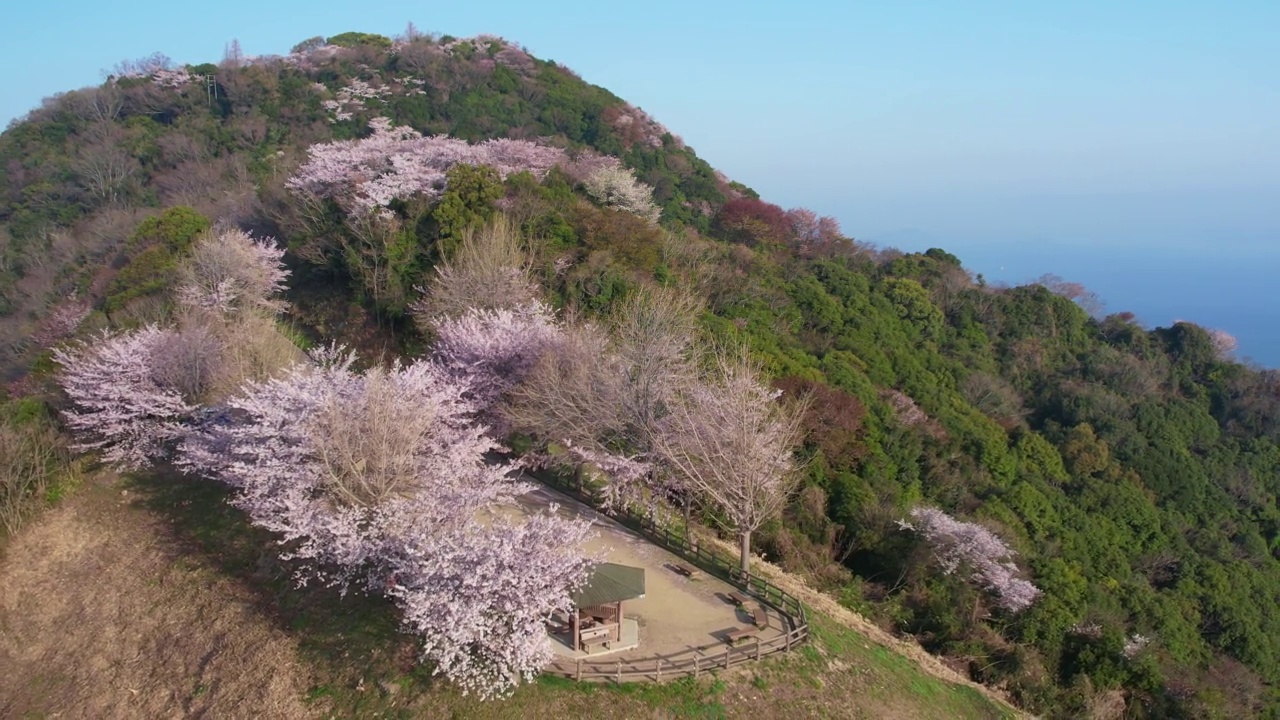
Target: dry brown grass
[[152, 600], [102, 617]]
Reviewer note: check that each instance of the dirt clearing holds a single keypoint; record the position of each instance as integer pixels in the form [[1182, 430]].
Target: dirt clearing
[[676, 613]]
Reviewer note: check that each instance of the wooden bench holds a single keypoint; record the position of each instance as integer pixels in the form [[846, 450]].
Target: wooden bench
[[736, 599], [737, 635], [591, 643], [594, 637], [759, 618], [684, 570]]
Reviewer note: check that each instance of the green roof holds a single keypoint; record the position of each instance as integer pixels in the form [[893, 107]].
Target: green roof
[[610, 583]]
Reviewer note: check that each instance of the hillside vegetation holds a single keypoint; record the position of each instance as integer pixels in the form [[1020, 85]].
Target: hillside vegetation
[[1134, 472]]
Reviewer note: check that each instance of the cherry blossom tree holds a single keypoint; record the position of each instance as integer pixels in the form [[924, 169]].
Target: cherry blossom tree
[[120, 405], [397, 163], [732, 442], [326, 457], [615, 186], [231, 271], [1224, 343], [808, 229], [381, 479], [957, 544], [492, 350], [480, 598]]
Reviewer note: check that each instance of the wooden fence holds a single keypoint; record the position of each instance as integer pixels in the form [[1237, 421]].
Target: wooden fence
[[698, 660]]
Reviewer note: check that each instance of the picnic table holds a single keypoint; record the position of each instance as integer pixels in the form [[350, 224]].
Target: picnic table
[[737, 635], [684, 570]]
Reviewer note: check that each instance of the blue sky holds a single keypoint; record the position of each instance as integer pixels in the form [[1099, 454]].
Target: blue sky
[[978, 125]]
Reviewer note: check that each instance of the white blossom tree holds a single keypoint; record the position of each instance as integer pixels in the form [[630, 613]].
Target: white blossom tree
[[231, 271], [732, 442], [615, 186], [957, 544]]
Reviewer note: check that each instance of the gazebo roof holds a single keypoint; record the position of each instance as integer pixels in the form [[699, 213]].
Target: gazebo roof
[[610, 583]]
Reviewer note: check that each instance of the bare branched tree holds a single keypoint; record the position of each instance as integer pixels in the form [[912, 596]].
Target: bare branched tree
[[653, 332], [490, 271], [603, 394], [730, 440], [28, 455], [573, 395], [104, 165]]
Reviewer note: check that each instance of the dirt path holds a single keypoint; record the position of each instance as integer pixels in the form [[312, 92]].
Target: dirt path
[[102, 617]]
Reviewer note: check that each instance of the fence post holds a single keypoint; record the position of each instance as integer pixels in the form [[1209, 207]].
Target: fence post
[[695, 666], [789, 641], [757, 648], [579, 678], [619, 672], [727, 651], [659, 669]]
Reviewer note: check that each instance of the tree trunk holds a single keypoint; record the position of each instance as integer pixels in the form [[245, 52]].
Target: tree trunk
[[746, 554]]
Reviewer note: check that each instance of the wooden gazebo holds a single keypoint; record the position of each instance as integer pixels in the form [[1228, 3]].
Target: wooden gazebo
[[597, 616]]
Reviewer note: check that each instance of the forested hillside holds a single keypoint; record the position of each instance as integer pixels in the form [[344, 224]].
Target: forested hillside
[[1132, 472]]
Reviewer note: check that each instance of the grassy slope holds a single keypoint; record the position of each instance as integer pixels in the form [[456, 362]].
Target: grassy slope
[[362, 666]]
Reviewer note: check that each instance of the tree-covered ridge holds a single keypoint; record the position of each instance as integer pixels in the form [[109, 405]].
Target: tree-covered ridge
[[77, 174], [1134, 472]]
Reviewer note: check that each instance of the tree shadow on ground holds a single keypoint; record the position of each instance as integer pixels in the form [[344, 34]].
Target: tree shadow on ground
[[352, 640]]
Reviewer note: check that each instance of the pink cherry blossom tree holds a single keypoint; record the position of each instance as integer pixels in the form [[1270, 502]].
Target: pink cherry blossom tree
[[808, 229], [397, 163], [121, 405], [480, 597], [327, 457], [492, 350], [381, 479], [957, 544]]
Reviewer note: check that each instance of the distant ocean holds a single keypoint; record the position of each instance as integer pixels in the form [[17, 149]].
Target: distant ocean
[[1233, 289]]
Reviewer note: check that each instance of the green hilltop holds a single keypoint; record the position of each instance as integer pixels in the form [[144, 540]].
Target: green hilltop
[[1134, 470]]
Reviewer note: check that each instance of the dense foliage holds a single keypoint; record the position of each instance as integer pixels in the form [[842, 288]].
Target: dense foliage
[[1133, 471]]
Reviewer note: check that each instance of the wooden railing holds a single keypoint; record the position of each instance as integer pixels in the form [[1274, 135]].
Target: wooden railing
[[698, 660]]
